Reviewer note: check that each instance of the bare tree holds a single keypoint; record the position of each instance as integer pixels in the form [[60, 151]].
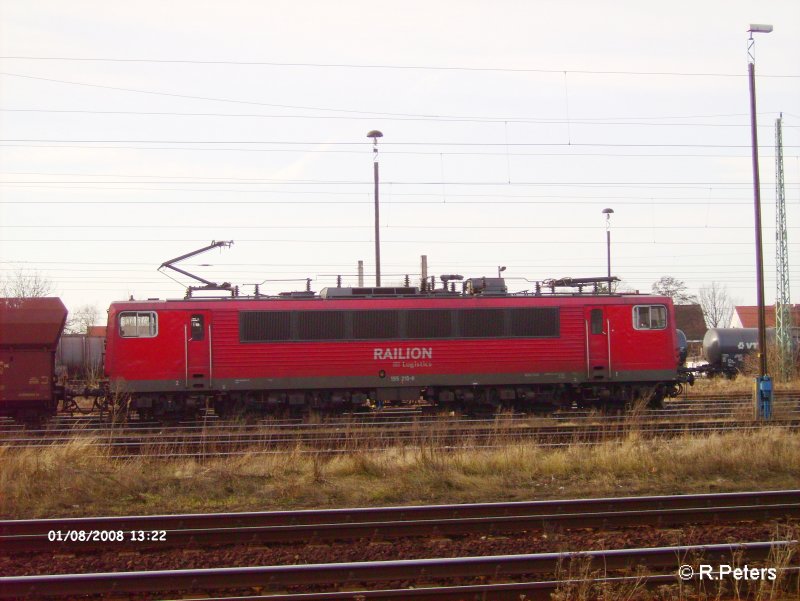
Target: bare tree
[[717, 305], [82, 319], [675, 289], [26, 284]]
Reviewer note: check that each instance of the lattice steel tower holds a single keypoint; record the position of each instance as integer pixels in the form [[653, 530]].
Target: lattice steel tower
[[783, 307]]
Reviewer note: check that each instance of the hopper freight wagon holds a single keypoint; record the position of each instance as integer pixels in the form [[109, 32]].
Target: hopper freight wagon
[[29, 333]]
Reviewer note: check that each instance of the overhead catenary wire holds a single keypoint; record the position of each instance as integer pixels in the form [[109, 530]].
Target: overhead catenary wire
[[290, 143], [369, 240], [504, 184], [570, 153], [165, 177], [116, 201], [342, 111], [670, 255], [587, 121], [387, 228], [387, 66]]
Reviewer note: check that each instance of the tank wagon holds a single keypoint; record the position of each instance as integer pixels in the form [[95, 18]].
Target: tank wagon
[[683, 347], [29, 332], [347, 347], [726, 349]]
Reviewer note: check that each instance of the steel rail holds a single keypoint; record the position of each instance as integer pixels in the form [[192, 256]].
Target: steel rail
[[503, 566], [211, 436], [388, 434], [238, 429], [692, 395], [321, 451], [400, 513], [686, 399], [209, 448], [541, 590], [92, 425], [144, 427], [383, 531], [206, 451]]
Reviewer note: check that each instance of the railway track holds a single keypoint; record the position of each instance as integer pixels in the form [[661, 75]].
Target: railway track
[[404, 427], [707, 405], [675, 410], [692, 395], [360, 573], [386, 523], [159, 443], [429, 578], [685, 405]]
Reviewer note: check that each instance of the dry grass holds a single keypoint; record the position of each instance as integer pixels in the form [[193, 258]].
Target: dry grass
[[583, 582], [741, 383], [76, 479]]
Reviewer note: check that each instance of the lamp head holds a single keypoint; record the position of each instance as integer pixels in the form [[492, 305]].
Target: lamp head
[[759, 28]]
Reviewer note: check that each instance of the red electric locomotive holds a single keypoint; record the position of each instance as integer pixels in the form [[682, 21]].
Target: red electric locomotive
[[346, 347]]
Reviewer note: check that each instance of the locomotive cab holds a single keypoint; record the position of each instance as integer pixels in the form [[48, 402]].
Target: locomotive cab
[[158, 358]]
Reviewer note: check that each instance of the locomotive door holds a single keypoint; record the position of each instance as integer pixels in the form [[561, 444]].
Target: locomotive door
[[598, 366], [198, 350]]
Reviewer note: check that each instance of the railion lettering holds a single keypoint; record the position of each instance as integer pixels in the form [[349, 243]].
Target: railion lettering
[[399, 353]]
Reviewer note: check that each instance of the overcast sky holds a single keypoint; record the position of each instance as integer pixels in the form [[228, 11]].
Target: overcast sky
[[134, 132]]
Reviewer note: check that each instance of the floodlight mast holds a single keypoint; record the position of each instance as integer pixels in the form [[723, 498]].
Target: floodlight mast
[[763, 388], [375, 134], [608, 213]]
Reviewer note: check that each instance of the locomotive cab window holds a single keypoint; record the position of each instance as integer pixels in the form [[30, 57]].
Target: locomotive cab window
[[138, 324], [197, 327], [649, 317]]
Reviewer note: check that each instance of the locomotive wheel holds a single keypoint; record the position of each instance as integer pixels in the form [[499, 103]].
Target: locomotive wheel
[[656, 400], [612, 408], [227, 409], [222, 410]]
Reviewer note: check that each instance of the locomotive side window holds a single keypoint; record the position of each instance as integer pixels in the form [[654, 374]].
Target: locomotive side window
[[649, 317], [535, 322], [138, 324], [481, 323], [376, 324], [394, 324], [597, 321], [320, 325], [197, 327], [264, 326], [429, 323]]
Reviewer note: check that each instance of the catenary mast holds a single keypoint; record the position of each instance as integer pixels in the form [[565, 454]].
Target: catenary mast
[[783, 307]]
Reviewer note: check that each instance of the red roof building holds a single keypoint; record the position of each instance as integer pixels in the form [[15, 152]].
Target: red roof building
[[747, 317], [98, 331]]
